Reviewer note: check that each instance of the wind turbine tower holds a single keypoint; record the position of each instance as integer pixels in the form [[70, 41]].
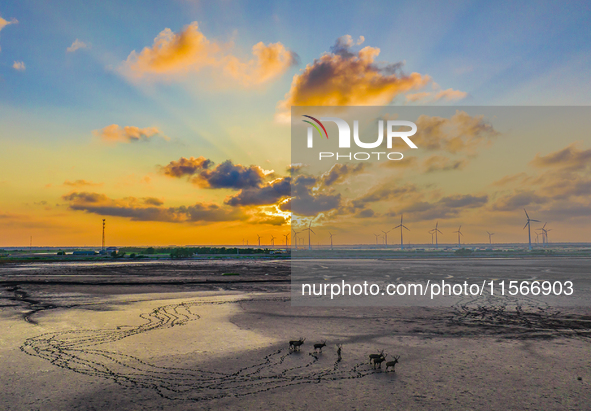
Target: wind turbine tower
[[272, 241], [528, 225], [385, 237], [401, 226], [295, 238], [103, 234], [377, 236], [544, 234], [286, 237], [310, 231], [436, 230], [490, 237], [459, 234], [330, 239], [259, 239]]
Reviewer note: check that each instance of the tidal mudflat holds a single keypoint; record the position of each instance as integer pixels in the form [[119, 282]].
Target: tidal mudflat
[[181, 335]]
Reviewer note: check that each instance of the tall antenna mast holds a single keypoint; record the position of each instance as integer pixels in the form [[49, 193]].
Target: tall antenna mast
[[103, 233]]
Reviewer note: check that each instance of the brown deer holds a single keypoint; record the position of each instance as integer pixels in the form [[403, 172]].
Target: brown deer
[[392, 363], [296, 344], [379, 361], [374, 356], [320, 345]]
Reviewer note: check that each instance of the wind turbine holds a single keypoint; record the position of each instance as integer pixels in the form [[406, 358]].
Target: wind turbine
[[330, 239], [436, 230], [459, 234], [259, 239], [385, 236], [377, 236], [272, 241], [432, 234], [528, 225], [310, 231], [537, 235], [544, 234], [401, 226], [547, 242], [295, 237], [490, 237], [286, 236]]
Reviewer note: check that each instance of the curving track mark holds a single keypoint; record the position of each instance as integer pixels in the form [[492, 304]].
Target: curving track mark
[[524, 317], [80, 351]]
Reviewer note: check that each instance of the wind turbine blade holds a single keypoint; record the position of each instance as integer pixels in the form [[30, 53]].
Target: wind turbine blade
[[526, 214], [312, 231], [537, 221], [405, 227], [526, 224], [398, 226]]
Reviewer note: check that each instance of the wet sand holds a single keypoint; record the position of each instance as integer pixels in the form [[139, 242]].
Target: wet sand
[[164, 337]]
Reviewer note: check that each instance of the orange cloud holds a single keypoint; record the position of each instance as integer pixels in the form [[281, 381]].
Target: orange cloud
[[150, 209], [19, 66], [174, 54], [440, 163], [569, 158], [81, 183], [186, 166], [448, 95], [343, 77], [460, 133], [423, 95], [77, 44], [4, 23], [128, 134], [269, 62]]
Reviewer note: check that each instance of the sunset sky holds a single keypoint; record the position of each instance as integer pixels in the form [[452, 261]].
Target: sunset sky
[[172, 119]]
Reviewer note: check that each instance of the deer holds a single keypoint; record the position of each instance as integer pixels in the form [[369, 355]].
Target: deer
[[379, 361], [339, 350], [372, 357], [296, 344], [392, 363], [320, 345]]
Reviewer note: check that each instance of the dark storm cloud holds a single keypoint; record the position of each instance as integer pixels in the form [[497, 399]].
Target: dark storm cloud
[[268, 194]]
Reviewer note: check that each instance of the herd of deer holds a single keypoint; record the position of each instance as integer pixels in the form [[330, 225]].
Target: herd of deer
[[375, 359]]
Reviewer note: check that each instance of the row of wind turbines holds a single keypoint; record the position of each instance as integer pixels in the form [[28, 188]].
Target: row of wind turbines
[[434, 234]]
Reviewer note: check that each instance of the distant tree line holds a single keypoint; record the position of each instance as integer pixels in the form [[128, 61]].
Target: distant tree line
[[186, 252]]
